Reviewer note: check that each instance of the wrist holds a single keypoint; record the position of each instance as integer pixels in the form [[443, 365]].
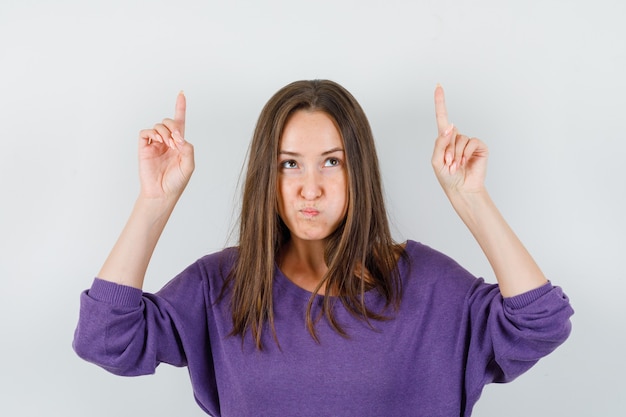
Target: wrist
[[469, 201], [159, 204], [152, 212]]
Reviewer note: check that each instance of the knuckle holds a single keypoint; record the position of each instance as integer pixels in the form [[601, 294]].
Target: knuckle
[[169, 123]]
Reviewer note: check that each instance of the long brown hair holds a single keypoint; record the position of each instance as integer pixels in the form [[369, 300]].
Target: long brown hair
[[360, 254]]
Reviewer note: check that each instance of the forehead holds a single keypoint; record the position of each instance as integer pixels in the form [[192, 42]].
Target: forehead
[[307, 130]]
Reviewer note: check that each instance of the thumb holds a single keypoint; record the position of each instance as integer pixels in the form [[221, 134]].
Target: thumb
[[440, 156], [187, 162]]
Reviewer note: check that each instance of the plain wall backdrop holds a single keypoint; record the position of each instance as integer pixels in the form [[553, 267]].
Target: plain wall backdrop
[[541, 82]]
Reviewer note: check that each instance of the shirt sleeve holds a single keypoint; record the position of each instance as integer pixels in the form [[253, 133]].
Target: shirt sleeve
[[129, 332], [509, 335]]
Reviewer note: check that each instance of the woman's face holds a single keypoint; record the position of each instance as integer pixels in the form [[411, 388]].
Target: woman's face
[[312, 176]]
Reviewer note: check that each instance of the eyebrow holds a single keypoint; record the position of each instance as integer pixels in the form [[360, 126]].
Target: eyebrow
[[333, 150]]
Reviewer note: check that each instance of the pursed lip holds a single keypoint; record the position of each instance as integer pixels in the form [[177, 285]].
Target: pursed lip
[[309, 212]]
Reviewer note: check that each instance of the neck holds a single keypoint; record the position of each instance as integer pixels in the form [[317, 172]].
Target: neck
[[303, 263]]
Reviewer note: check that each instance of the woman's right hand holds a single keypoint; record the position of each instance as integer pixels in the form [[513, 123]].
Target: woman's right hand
[[166, 159]]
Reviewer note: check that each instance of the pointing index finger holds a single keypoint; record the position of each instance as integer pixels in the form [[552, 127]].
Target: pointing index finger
[[441, 113], [179, 112]]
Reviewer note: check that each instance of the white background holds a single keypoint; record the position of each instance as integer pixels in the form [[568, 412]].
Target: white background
[[542, 82]]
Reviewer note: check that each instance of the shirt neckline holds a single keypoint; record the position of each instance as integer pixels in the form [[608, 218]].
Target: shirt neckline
[[289, 287]]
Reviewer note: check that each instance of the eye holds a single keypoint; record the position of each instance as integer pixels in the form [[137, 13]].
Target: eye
[[289, 164], [332, 162]]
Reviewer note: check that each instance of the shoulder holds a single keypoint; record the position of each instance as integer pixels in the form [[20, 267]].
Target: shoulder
[[425, 267], [428, 259], [209, 271], [220, 262]]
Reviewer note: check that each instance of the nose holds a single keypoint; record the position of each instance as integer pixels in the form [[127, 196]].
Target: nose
[[311, 188]]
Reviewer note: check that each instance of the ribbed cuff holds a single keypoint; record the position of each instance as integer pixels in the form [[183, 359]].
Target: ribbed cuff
[[522, 300], [116, 294]]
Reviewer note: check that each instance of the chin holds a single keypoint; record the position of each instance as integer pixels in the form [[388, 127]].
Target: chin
[[311, 236]]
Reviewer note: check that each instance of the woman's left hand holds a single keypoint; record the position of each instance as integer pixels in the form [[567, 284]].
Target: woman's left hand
[[459, 161]]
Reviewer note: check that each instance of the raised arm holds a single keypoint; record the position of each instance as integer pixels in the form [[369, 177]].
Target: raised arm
[[166, 163], [460, 164]]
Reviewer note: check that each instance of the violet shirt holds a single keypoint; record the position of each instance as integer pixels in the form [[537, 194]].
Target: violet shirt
[[452, 334]]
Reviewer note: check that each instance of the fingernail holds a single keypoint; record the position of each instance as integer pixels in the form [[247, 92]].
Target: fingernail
[[178, 136], [448, 158], [453, 168], [159, 138], [449, 129]]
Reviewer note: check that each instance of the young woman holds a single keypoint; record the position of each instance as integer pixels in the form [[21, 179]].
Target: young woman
[[317, 311]]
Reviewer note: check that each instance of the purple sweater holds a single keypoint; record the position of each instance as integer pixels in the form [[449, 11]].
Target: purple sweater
[[452, 334]]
